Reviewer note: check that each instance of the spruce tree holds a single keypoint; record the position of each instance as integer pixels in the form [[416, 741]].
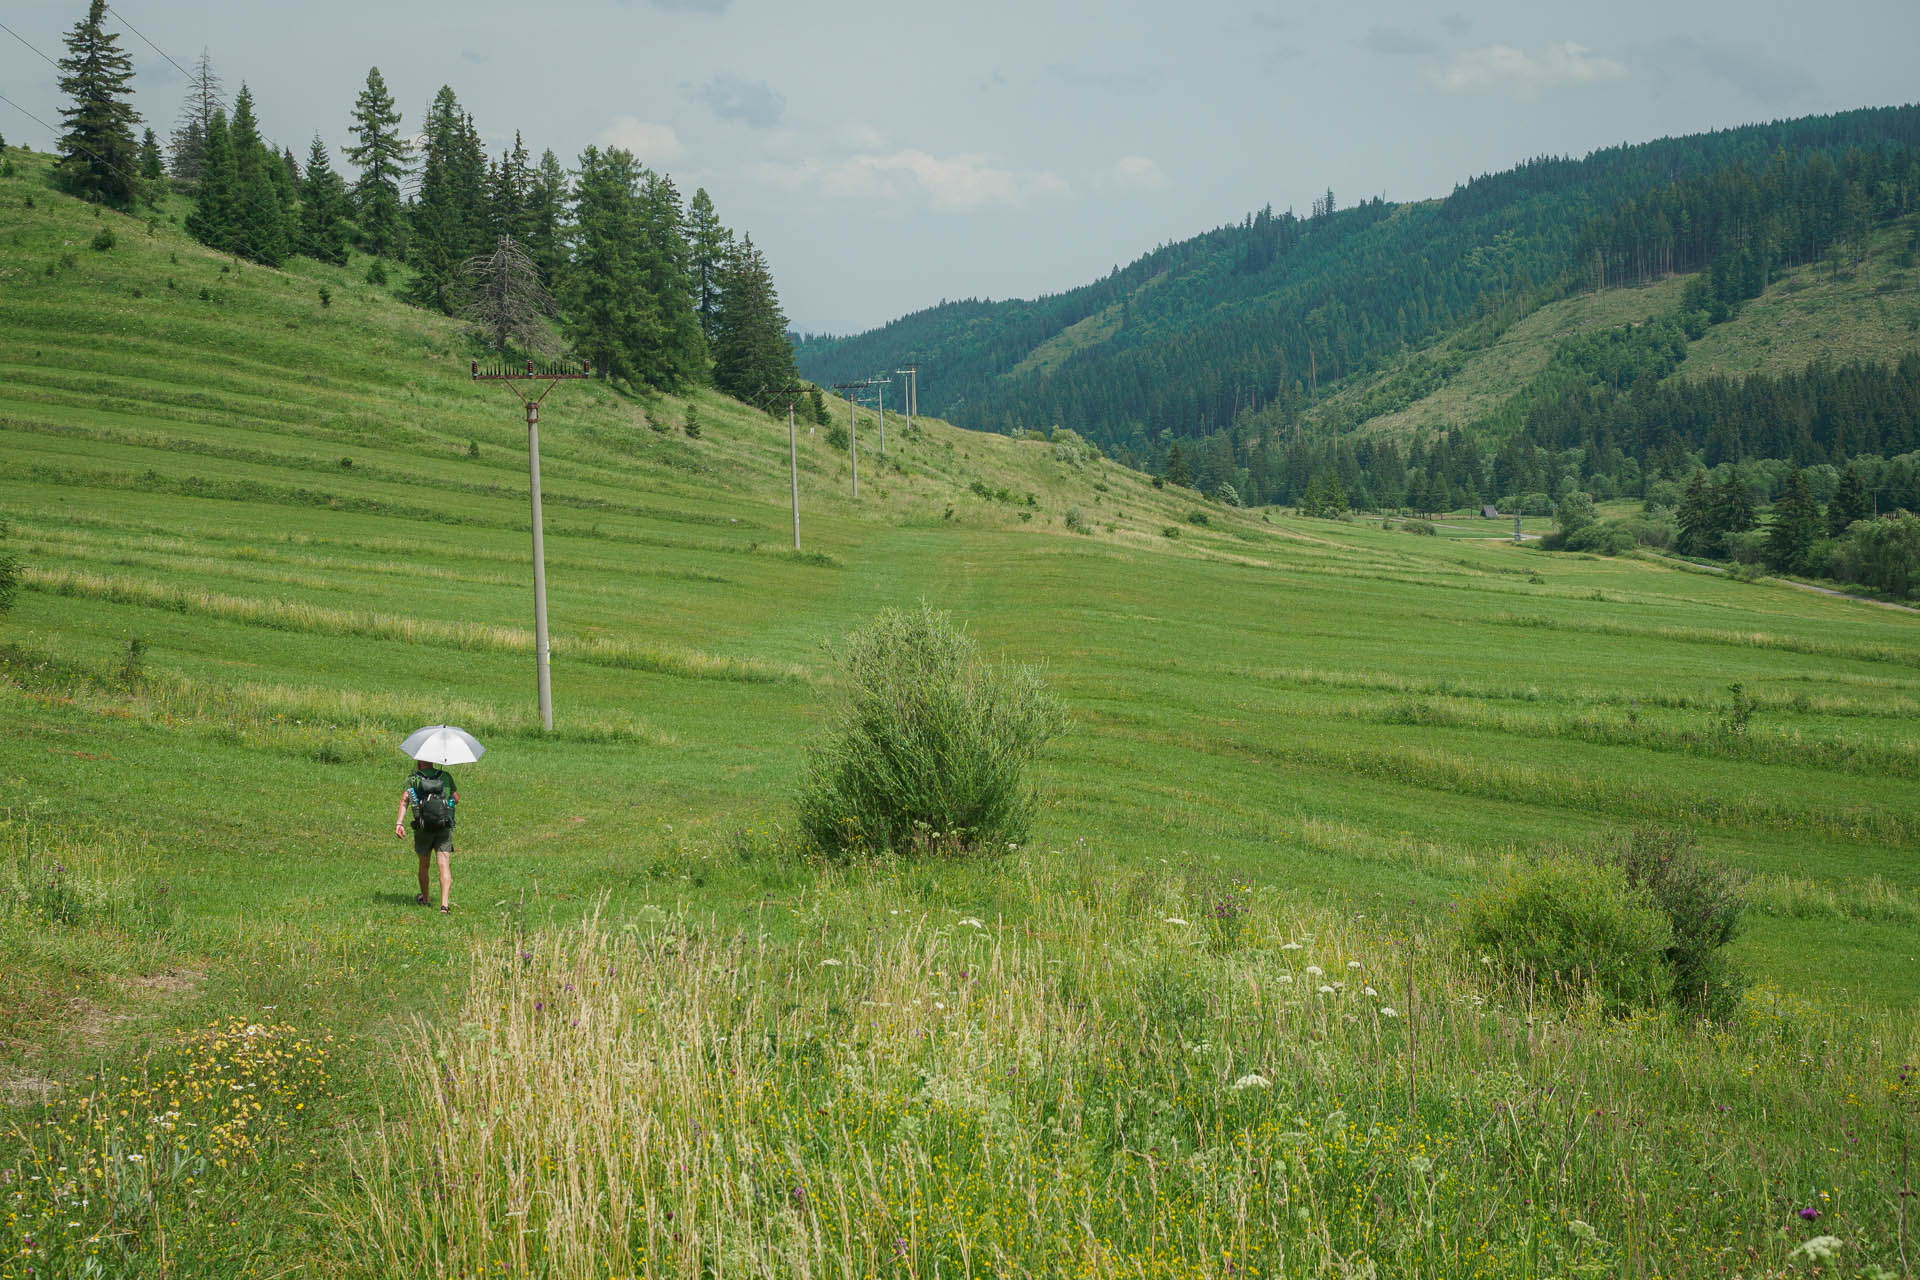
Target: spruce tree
[[1176, 471], [1698, 535], [383, 157], [152, 171], [1732, 508], [751, 353], [323, 209], [439, 243], [507, 193], [189, 141], [1794, 527], [98, 155], [682, 353], [708, 243], [1849, 502], [259, 225], [546, 218], [604, 309], [215, 217]]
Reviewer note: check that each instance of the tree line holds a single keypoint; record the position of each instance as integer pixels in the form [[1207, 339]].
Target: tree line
[[652, 289]]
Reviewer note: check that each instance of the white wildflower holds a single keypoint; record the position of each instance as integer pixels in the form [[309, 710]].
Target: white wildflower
[[1289, 946], [1252, 1081], [1353, 964], [1174, 920], [1286, 978], [831, 963], [1387, 1011], [1818, 1249], [1314, 971], [971, 922], [1370, 991], [1326, 991], [939, 1004]]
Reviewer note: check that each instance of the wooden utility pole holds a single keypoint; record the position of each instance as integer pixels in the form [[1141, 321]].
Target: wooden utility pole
[[553, 374]]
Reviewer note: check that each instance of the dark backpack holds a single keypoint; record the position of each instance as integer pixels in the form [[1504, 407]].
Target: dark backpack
[[432, 807]]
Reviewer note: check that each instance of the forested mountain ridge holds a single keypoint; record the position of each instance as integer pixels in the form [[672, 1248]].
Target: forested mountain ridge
[[1249, 325]]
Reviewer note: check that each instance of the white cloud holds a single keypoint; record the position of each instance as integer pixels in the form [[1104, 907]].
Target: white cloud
[[863, 137], [954, 184], [1501, 66], [1138, 172], [650, 143]]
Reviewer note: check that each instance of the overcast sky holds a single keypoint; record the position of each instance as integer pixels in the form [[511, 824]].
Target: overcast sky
[[889, 155]]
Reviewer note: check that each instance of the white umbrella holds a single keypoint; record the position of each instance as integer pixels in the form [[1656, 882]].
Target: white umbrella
[[443, 744]]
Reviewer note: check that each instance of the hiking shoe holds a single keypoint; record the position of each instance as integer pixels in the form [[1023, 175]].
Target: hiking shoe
[[420, 899]]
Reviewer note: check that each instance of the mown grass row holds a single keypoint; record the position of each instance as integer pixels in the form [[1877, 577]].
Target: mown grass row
[[328, 725], [1857, 651], [1162, 1073], [311, 619]]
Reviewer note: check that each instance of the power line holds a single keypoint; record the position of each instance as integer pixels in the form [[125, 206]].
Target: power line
[[23, 40], [36, 119], [150, 44]]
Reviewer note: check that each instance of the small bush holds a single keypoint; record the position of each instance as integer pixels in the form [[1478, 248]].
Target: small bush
[[376, 272], [473, 448], [1422, 527], [326, 296], [133, 663], [1568, 924], [691, 423], [837, 437], [1170, 531], [928, 746], [1077, 521], [103, 240], [1198, 517], [1703, 902]]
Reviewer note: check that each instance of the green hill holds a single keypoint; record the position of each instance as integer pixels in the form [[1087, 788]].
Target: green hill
[[1431, 315], [1216, 1009]]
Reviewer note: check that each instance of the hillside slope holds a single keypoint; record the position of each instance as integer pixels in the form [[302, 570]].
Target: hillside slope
[[1271, 312]]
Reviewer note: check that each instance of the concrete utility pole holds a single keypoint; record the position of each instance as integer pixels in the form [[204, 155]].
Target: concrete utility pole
[[793, 393], [882, 384], [853, 433], [553, 374], [911, 372]]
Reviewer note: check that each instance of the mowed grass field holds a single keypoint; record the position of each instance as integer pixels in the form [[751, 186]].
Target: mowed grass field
[[264, 538]]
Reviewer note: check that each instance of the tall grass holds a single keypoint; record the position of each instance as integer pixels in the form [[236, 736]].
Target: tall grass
[[294, 615], [1115, 1084]]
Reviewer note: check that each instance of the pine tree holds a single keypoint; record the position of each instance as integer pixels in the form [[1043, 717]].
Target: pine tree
[[323, 209], [1732, 507], [708, 243], [1794, 527], [1849, 502], [215, 217], [383, 157], [98, 155], [189, 140], [751, 352]]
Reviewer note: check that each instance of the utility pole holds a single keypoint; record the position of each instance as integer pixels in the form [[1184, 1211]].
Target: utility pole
[[553, 374], [792, 393], [912, 374], [853, 433], [882, 384]]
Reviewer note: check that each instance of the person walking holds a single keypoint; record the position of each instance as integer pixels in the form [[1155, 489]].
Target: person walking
[[431, 795]]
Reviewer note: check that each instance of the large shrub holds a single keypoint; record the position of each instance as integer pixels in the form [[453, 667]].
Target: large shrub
[[1562, 925], [1702, 902], [928, 745]]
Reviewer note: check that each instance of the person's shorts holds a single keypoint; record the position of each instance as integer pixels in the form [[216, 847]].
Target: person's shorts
[[428, 840]]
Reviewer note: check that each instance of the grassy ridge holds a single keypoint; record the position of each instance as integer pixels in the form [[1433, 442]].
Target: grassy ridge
[[1347, 727]]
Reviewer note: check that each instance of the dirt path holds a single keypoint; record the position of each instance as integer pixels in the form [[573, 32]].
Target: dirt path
[[1785, 582]]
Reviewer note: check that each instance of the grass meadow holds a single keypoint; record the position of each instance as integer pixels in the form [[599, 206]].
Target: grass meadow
[[1210, 1020]]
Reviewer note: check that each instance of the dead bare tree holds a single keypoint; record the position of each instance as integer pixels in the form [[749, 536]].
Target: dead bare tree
[[507, 299]]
